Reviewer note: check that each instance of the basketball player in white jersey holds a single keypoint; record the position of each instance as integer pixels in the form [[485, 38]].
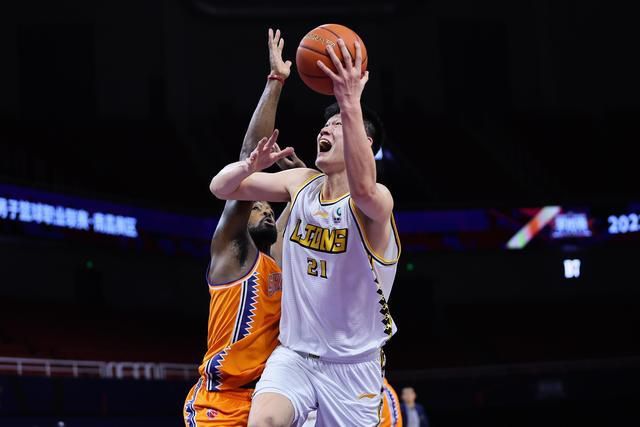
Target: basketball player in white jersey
[[339, 261]]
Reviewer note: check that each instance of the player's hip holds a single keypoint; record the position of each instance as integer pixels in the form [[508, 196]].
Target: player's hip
[[335, 346], [217, 408]]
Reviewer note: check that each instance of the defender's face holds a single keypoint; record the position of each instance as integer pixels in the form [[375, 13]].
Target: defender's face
[[262, 217], [330, 149]]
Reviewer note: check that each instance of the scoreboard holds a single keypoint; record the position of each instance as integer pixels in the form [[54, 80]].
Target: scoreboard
[[521, 228]]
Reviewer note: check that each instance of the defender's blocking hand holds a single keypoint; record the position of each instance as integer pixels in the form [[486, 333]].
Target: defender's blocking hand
[[264, 156]]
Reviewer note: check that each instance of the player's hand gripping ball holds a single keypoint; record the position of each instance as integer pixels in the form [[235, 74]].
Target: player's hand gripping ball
[[312, 48]]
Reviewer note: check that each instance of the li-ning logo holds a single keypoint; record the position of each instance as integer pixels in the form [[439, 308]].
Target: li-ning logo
[[212, 413], [322, 214], [337, 215], [274, 283], [367, 396]]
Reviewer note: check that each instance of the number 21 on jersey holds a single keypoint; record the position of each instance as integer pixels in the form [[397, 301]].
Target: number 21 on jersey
[[316, 267]]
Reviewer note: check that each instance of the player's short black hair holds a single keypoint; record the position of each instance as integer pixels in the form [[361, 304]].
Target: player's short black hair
[[372, 124]]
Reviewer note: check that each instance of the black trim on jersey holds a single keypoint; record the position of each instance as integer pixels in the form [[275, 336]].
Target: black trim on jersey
[[387, 320], [332, 202]]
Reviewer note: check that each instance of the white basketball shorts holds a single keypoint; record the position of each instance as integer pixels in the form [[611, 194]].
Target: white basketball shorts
[[344, 394]]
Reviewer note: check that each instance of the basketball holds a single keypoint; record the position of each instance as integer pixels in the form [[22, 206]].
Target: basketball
[[312, 49]]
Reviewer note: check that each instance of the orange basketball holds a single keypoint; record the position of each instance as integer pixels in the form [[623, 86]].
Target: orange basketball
[[312, 49]]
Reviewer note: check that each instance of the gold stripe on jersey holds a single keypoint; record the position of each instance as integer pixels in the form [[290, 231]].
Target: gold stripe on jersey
[[295, 197], [331, 241], [302, 186], [332, 201], [365, 240]]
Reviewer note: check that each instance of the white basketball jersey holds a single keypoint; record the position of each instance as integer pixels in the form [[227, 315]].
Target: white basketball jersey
[[335, 288]]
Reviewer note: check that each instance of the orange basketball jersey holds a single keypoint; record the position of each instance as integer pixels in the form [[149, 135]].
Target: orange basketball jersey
[[244, 317], [391, 416]]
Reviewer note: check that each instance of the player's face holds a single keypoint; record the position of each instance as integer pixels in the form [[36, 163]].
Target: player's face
[[330, 156], [262, 223]]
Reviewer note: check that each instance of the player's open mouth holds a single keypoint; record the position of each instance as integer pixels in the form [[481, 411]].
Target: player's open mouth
[[324, 145], [269, 221]]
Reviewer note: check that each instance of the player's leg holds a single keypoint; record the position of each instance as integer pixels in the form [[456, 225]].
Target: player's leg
[[284, 395], [271, 410], [349, 394]]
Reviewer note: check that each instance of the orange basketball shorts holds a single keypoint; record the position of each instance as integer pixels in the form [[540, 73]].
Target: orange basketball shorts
[[228, 408]]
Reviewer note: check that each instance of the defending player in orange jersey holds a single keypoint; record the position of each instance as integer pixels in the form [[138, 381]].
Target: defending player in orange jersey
[[244, 283]]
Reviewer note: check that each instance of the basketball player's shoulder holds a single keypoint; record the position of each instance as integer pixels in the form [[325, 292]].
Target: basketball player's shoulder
[[299, 177], [384, 198], [266, 261]]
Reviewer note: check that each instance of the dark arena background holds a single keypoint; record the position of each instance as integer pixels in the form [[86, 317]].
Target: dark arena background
[[511, 154]]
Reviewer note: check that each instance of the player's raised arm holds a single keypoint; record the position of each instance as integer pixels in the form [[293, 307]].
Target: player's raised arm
[[373, 199], [263, 119], [264, 116], [233, 221]]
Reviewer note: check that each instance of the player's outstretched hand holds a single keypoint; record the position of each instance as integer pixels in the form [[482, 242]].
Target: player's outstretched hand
[[264, 155], [348, 80], [276, 44], [290, 162]]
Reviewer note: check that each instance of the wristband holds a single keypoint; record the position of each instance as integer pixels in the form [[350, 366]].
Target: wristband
[[276, 77]]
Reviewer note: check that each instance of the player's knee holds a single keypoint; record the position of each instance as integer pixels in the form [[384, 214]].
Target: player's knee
[[268, 421], [271, 410], [270, 418]]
